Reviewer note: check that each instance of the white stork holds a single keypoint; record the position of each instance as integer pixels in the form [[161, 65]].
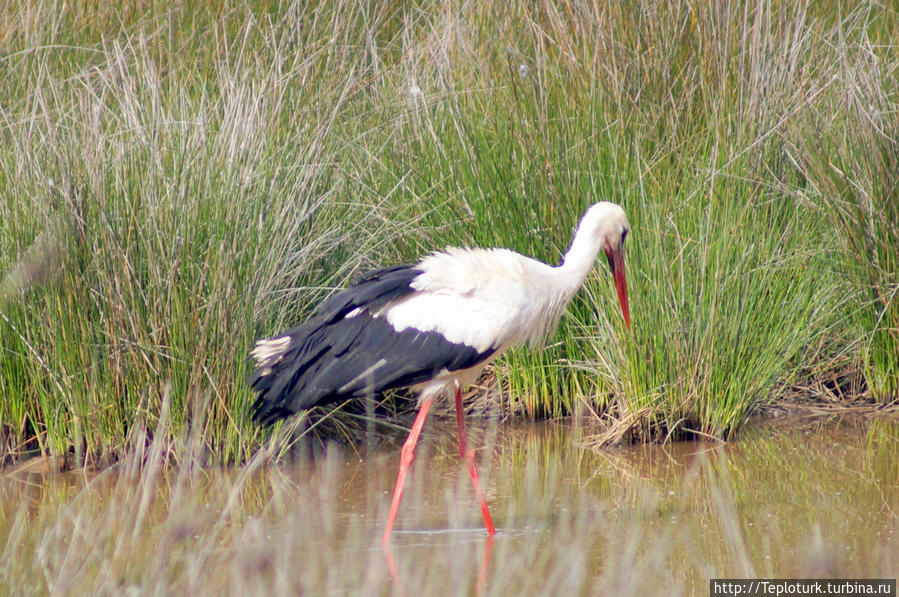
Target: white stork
[[432, 327]]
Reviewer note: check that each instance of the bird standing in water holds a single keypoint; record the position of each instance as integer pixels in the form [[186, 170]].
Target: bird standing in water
[[432, 327]]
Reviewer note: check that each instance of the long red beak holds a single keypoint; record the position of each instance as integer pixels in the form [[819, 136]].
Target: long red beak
[[616, 263]]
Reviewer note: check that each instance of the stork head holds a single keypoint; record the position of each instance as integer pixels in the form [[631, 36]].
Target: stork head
[[606, 225]]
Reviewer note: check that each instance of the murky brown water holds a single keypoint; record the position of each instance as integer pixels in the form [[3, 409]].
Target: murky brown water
[[789, 499]]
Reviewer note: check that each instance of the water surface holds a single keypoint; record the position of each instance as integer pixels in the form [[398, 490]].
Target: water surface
[[796, 498]]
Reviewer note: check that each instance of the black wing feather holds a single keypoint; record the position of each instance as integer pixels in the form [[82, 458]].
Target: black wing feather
[[332, 357], [374, 290]]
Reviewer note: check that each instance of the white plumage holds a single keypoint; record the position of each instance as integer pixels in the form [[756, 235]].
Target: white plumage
[[432, 326]]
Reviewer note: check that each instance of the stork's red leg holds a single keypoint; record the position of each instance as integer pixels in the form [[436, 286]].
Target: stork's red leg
[[468, 457], [406, 456]]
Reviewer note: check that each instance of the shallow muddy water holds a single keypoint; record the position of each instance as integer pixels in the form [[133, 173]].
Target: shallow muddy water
[[788, 499]]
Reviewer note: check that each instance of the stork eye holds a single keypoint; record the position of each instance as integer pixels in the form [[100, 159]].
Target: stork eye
[[623, 236]]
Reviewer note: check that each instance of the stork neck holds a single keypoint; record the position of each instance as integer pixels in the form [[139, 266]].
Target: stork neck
[[580, 258]]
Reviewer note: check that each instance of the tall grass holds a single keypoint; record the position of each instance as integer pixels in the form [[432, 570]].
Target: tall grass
[[197, 193], [177, 181], [851, 160]]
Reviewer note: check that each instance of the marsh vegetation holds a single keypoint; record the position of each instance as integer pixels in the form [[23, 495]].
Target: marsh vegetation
[[179, 179]]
